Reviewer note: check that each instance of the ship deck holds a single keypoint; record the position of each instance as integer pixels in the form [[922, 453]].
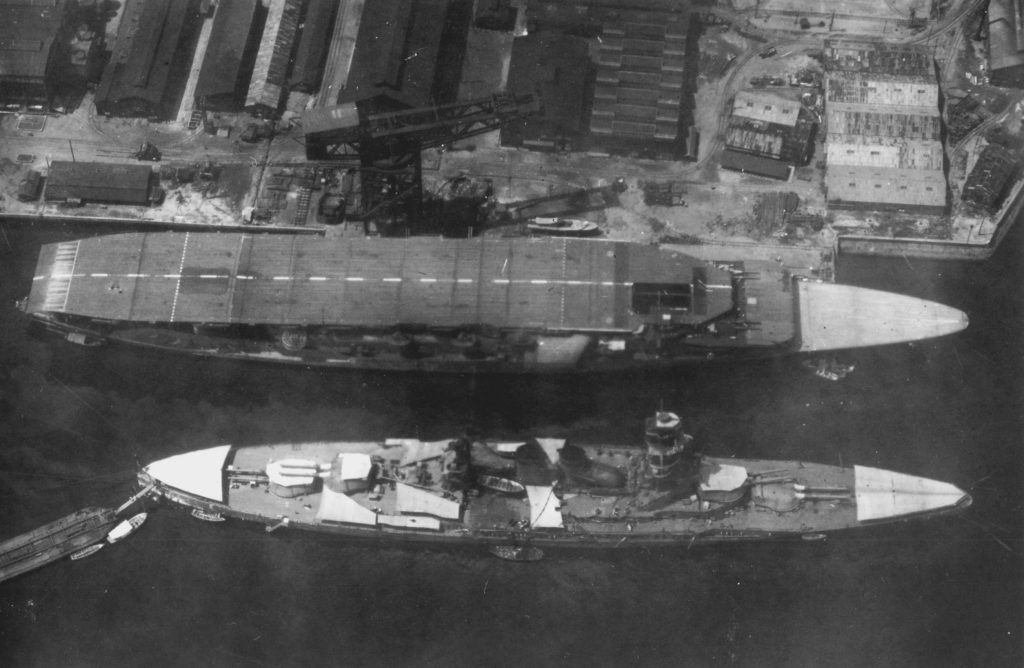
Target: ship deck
[[551, 284], [773, 507]]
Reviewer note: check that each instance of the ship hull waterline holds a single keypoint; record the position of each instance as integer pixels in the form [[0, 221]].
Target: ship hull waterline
[[738, 500], [455, 305]]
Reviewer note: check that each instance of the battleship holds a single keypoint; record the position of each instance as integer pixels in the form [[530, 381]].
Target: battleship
[[432, 304], [558, 493]]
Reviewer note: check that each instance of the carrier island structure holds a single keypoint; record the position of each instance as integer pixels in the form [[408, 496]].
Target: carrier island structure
[[475, 304]]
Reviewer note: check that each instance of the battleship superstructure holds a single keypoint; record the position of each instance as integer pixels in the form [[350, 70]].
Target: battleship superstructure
[[544, 492], [436, 304]]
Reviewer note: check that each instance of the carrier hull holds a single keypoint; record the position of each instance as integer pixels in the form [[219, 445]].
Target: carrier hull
[[426, 304]]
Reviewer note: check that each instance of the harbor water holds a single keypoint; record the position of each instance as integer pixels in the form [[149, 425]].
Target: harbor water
[[76, 422]]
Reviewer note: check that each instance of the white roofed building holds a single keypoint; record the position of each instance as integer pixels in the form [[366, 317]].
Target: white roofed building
[[883, 142]]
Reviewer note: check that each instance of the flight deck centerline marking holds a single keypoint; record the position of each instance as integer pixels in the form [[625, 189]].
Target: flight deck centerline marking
[[561, 305], [181, 269], [318, 278], [391, 280], [99, 275], [282, 278], [355, 279], [428, 280]]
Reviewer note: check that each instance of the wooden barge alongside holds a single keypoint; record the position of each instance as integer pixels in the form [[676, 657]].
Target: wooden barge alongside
[[55, 540]]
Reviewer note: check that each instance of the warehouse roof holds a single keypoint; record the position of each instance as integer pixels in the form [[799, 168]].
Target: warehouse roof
[[144, 52], [766, 107], [28, 29], [878, 58], [266, 87], [886, 187], [755, 164], [229, 35], [314, 40], [866, 120], [396, 50], [98, 182]]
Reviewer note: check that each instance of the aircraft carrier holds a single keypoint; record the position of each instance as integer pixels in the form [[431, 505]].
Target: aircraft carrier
[[432, 304]]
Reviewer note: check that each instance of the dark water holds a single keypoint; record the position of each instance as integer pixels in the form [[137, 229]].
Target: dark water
[[947, 592]]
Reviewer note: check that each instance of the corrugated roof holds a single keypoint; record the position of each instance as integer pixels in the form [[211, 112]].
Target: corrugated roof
[[866, 120], [98, 182], [639, 88], [27, 33], [879, 58], [270, 72], [853, 87]]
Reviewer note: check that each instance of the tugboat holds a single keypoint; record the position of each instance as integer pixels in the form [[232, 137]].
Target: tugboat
[[447, 492], [457, 305]]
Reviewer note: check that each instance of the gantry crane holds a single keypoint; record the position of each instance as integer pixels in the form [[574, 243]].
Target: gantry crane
[[385, 137]]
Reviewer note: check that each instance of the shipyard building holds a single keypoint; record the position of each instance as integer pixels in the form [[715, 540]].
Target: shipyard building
[[768, 135], [35, 51], [883, 144], [100, 182], [992, 177], [1006, 43], [612, 79], [150, 59]]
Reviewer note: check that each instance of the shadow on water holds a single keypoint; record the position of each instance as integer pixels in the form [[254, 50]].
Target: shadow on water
[[943, 592]]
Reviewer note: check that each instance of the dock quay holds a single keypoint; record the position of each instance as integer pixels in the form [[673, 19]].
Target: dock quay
[[743, 131], [54, 541]]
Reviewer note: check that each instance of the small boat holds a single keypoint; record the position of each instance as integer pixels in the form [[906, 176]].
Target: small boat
[[829, 368], [498, 484], [81, 339], [126, 528], [517, 552], [206, 517], [86, 551], [563, 227], [54, 541]]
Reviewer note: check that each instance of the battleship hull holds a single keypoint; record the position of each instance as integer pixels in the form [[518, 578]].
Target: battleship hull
[[453, 305], [400, 491]]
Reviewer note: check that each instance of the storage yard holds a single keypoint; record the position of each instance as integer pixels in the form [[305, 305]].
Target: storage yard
[[728, 124]]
